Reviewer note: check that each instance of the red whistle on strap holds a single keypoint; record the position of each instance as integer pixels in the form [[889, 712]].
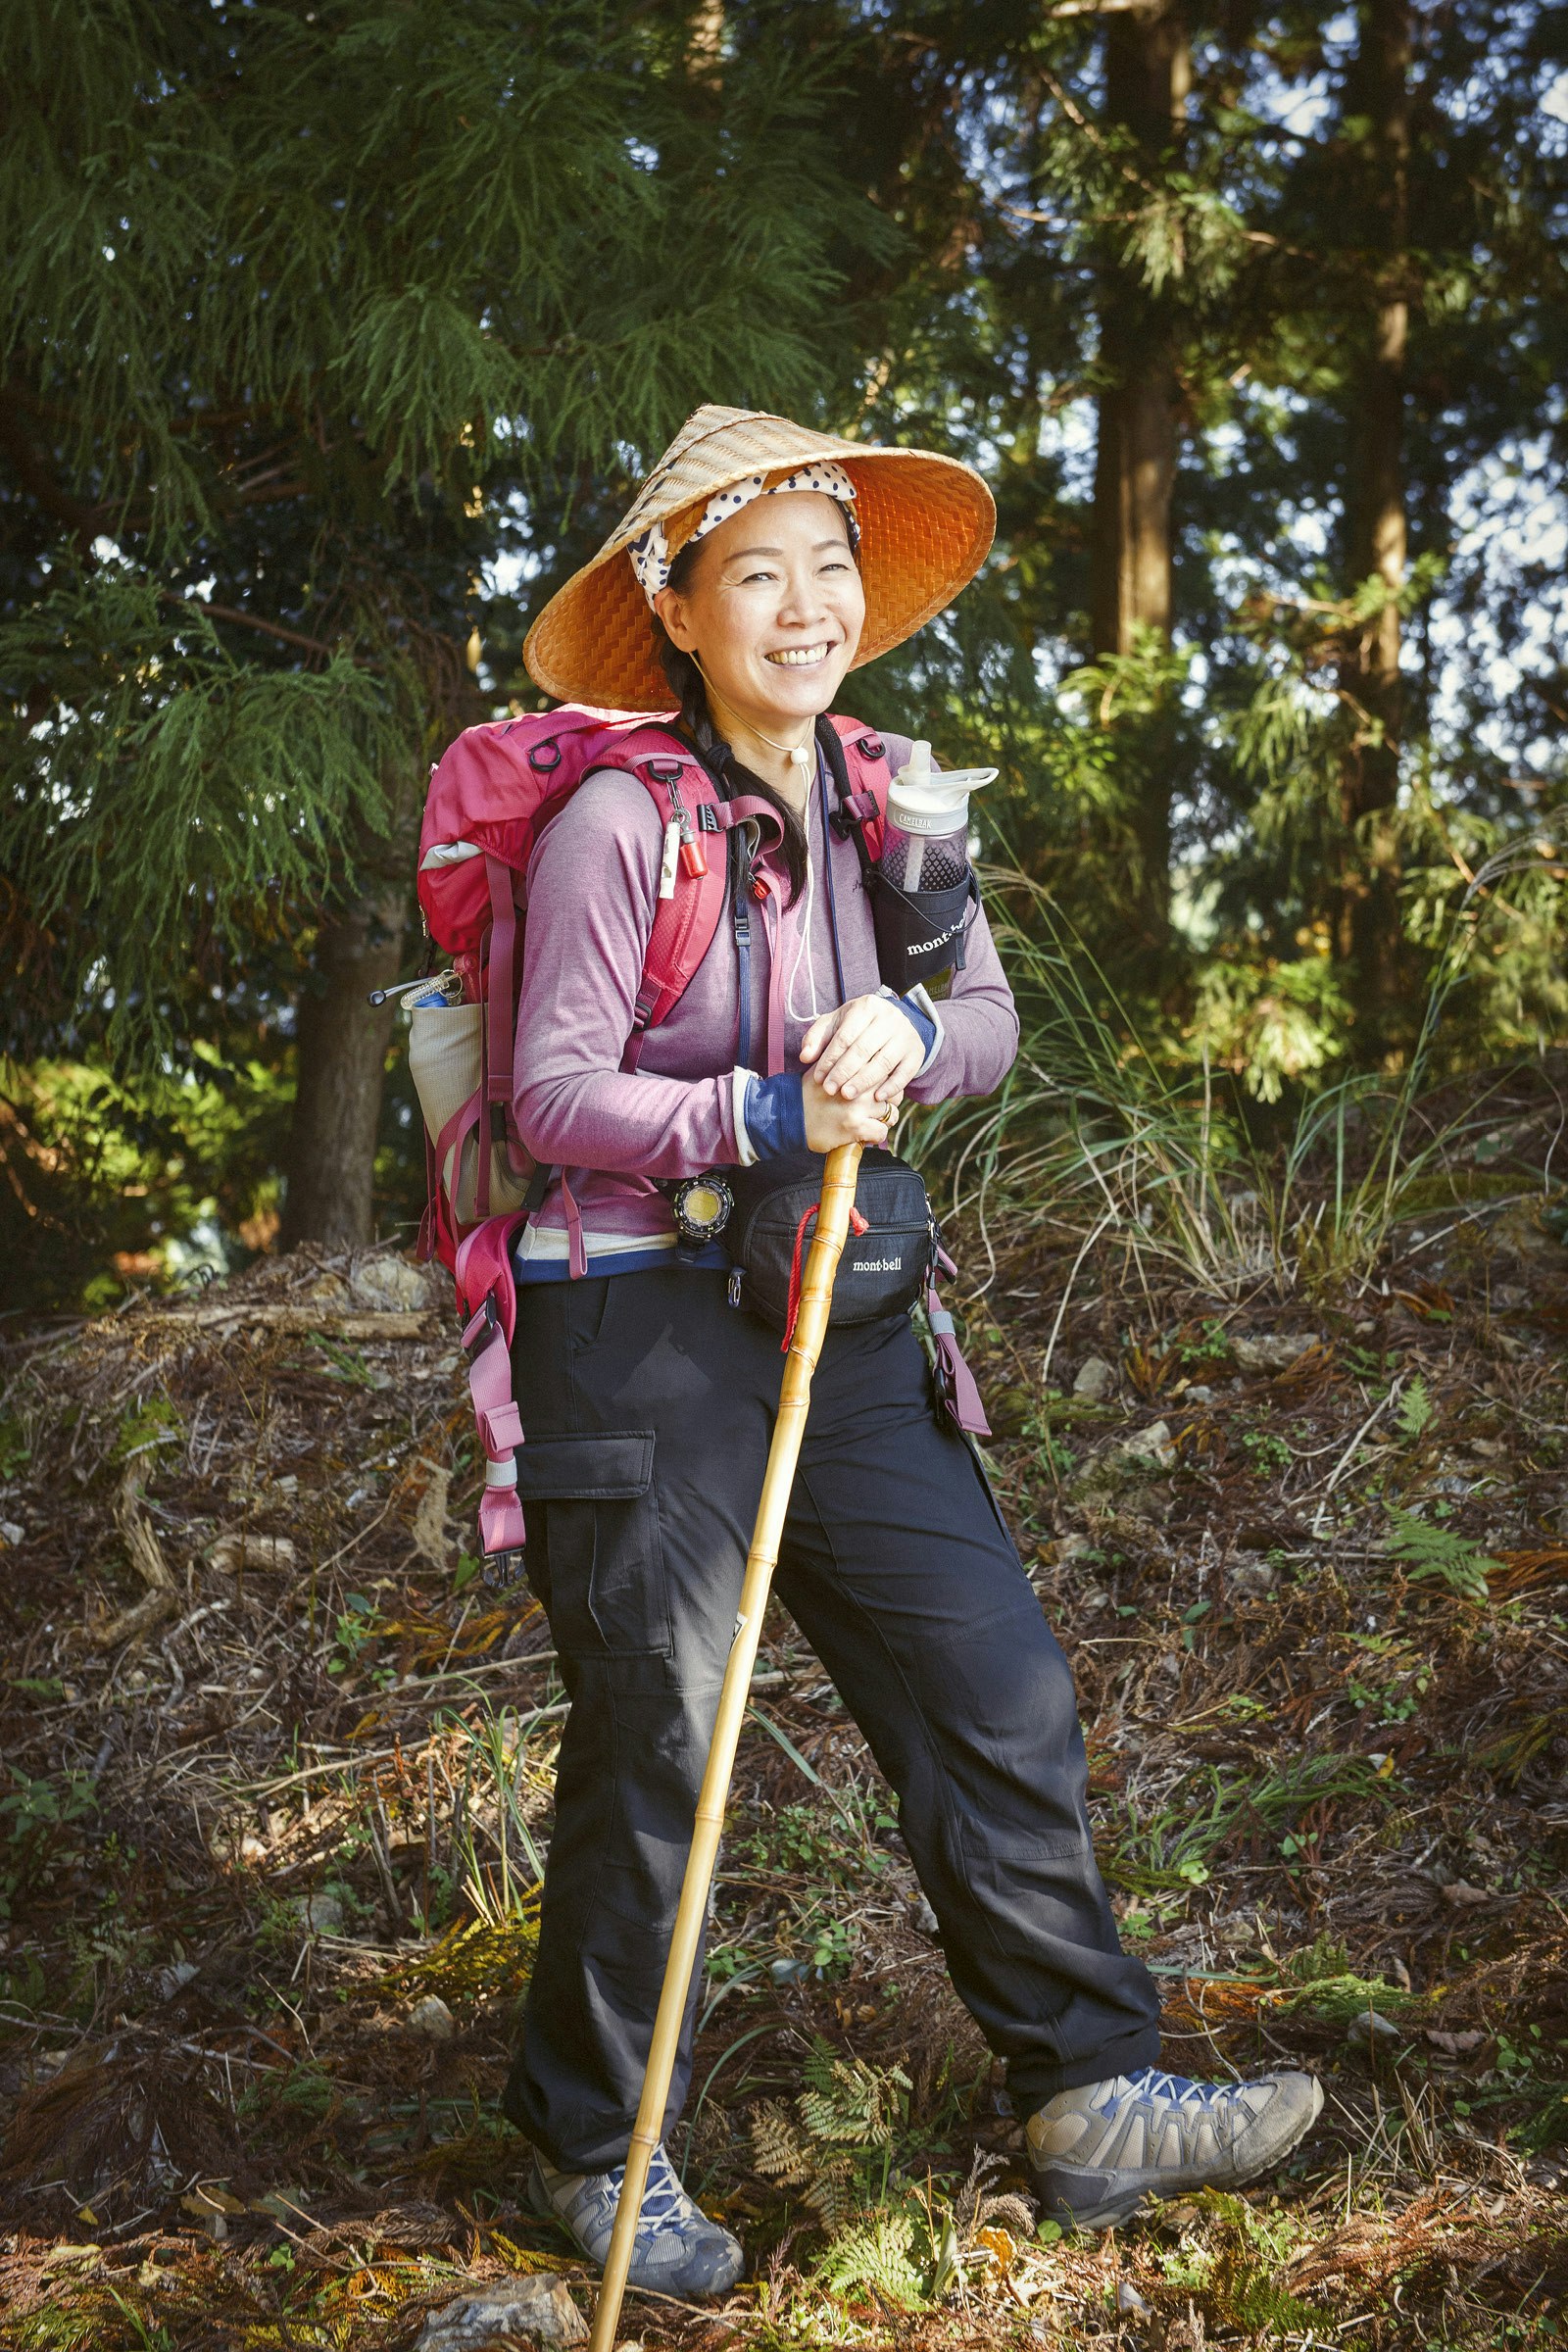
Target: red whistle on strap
[[693, 855]]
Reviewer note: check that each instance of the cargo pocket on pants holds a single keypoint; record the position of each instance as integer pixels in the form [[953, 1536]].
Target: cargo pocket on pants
[[589, 1497]]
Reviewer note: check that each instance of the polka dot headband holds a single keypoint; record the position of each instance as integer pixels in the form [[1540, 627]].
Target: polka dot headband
[[650, 558]]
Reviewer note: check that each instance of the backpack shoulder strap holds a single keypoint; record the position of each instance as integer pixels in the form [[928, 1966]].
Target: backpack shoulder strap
[[857, 761], [693, 886]]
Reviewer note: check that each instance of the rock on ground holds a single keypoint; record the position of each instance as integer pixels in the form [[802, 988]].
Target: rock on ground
[[320, 1914], [386, 1283], [1141, 1455], [1270, 1351], [537, 2307]]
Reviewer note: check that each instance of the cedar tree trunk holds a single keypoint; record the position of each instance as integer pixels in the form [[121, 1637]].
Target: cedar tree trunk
[[342, 1047], [1148, 73], [1369, 934]]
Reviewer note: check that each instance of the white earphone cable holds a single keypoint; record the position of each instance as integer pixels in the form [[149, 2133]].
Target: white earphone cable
[[803, 913]]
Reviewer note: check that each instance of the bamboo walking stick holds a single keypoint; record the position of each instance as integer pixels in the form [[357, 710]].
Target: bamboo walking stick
[[795, 1397]]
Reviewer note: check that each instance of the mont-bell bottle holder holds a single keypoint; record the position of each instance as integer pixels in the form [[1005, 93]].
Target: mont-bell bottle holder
[[920, 932], [922, 884]]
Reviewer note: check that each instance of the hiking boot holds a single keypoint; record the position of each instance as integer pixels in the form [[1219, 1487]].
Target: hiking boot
[[1099, 2151], [678, 2250]]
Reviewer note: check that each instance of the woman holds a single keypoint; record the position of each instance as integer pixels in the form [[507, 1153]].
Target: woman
[[759, 564]]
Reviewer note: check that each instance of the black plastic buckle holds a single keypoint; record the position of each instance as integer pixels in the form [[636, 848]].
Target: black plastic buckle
[[492, 1324], [854, 813], [536, 755], [665, 771]]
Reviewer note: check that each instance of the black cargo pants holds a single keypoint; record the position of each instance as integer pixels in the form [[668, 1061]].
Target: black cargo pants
[[648, 1403]]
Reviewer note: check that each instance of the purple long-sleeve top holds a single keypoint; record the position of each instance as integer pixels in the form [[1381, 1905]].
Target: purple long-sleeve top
[[592, 894]]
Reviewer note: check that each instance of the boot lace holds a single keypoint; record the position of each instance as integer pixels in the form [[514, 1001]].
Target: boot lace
[[1151, 2083], [665, 2201]]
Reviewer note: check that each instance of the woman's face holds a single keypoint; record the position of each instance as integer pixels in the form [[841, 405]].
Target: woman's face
[[774, 608]]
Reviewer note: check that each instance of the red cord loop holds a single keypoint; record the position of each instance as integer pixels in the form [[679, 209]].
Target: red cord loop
[[793, 1308]]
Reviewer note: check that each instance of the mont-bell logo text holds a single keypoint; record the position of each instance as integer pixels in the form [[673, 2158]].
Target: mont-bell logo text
[[878, 1265], [933, 938]]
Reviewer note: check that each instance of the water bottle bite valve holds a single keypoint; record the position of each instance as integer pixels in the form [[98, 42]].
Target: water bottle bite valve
[[928, 822]]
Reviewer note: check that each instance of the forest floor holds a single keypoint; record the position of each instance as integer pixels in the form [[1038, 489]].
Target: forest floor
[[278, 1773]]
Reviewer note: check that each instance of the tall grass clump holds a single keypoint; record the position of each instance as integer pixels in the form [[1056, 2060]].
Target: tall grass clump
[[1108, 1145], [495, 1764]]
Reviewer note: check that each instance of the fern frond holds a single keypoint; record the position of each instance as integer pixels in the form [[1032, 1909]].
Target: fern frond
[[852, 2101], [832, 2191], [820, 2061], [1440, 1551], [876, 2253], [777, 2148]]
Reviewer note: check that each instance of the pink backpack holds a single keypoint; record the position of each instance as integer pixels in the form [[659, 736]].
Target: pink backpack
[[490, 799]]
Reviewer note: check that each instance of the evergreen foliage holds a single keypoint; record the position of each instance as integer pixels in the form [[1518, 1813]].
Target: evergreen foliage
[[317, 324], [300, 303], [334, 337], [1259, 231]]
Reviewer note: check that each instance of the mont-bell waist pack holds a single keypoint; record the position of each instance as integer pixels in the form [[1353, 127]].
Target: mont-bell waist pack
[[893, 1255], [885, 1264]]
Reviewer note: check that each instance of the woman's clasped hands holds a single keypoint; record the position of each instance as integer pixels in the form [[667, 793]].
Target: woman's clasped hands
[[858, 1059]]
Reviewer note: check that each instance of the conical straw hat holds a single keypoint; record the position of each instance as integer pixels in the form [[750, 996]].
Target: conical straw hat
[[926, 522]]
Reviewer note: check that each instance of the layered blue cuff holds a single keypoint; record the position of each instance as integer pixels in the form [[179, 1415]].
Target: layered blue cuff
[[775, 1114], [925, 1027]]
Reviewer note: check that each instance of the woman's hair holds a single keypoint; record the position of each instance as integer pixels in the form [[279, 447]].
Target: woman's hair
[[696, 718]]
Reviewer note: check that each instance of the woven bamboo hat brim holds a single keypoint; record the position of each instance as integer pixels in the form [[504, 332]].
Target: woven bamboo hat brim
[[926, 524]]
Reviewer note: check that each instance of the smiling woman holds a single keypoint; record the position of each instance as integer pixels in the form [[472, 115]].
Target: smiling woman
[[762, 616], [762, 564]]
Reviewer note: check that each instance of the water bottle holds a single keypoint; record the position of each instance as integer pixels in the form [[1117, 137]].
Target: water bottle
[[926, 845], [447, 990]]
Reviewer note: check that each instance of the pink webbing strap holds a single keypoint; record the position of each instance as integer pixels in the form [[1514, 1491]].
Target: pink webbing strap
[[500, 1427], [449, 1143], [484, 1275], [501, 1019], [960, 1395], [727, 814]]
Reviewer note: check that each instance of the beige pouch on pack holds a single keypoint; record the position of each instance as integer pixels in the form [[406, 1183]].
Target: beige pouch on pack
[[446, 1063]]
